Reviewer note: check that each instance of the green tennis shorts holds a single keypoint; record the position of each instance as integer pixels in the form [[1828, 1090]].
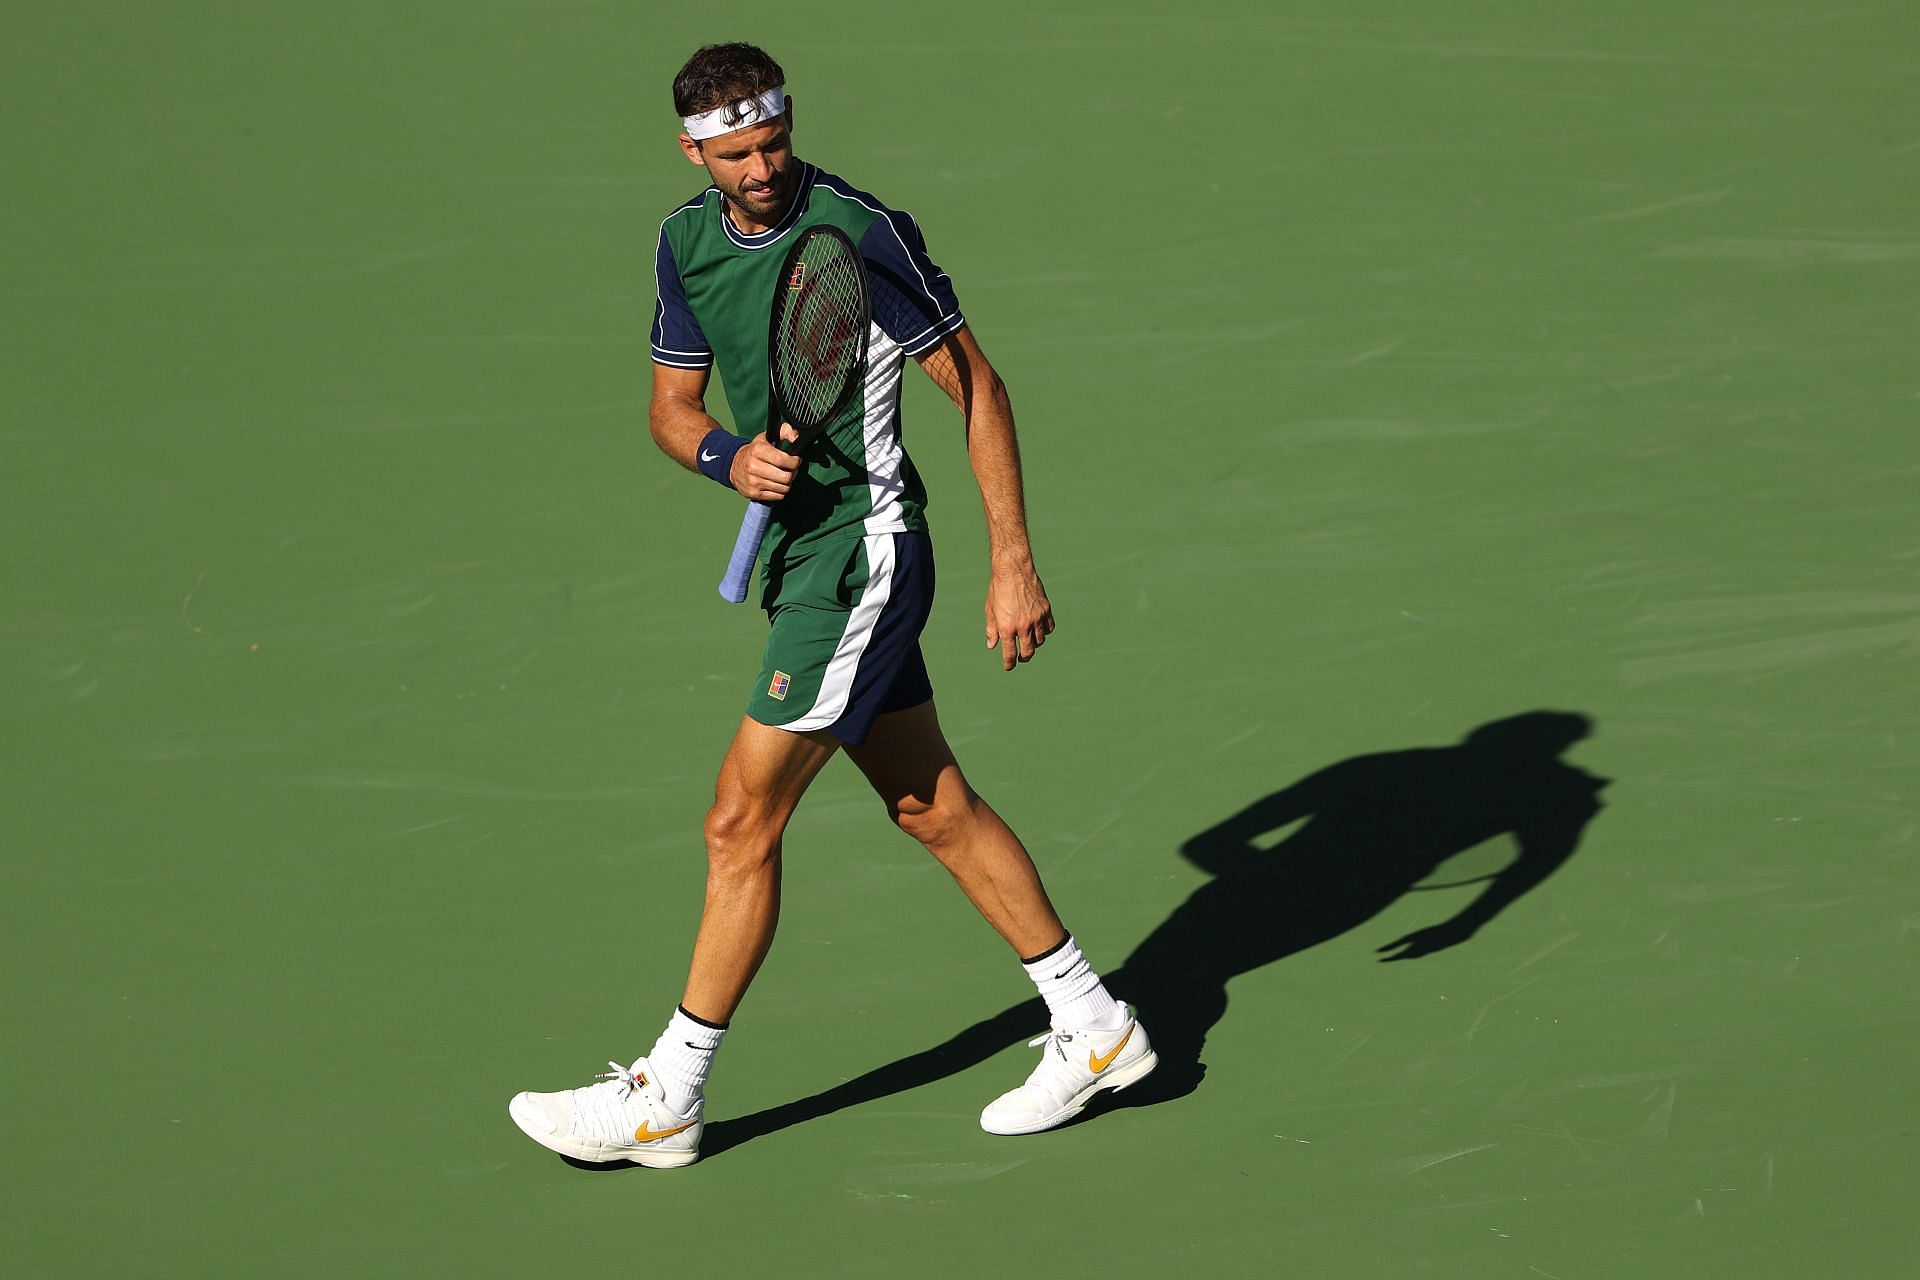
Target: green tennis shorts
[[845, 645]]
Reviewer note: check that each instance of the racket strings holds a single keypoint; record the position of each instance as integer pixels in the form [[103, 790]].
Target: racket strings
[[821, 332]]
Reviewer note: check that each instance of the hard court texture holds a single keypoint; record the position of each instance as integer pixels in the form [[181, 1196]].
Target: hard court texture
[[1385, 372]]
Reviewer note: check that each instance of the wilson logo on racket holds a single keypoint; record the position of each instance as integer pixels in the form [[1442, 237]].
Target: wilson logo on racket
[[825, 340]]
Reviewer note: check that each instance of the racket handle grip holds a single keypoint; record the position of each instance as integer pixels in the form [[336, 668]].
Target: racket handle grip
[[746, 549]]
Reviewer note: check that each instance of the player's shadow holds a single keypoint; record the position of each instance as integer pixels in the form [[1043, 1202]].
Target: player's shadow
[[1363, 832]]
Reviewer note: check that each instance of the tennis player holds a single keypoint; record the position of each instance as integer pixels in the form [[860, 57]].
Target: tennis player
[[847, 583]]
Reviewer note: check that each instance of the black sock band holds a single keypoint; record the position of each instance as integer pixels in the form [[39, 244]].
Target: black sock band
[[1044, 954], [717, 1026]]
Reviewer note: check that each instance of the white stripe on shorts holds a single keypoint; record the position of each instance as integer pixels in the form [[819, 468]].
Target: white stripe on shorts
[[836, 686]]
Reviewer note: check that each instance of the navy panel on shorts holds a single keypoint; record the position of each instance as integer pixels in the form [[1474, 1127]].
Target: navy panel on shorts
[[893, 674]]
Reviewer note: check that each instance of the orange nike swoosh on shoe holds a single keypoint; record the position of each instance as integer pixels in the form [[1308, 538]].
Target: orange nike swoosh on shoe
[[1097, 1063], [644, 1134]]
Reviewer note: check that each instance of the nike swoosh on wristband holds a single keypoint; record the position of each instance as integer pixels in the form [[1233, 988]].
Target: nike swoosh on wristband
[[707, 457], [644, 1134], [1097, 1063]]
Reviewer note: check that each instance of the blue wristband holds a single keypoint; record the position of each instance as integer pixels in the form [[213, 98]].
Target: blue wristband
[[717, 448]]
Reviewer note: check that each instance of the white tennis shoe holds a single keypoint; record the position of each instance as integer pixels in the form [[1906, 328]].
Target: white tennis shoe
[[1075, 1064], [625, 1117]]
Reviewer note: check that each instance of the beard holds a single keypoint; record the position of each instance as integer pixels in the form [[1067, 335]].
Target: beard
[[763, 208]]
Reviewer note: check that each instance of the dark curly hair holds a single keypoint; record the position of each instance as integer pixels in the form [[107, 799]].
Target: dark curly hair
[[724, 73]]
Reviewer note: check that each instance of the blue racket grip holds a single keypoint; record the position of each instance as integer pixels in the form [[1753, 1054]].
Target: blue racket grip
[[746, 549]]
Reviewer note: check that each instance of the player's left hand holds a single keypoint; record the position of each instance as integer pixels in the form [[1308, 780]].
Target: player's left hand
[[1019, 616]]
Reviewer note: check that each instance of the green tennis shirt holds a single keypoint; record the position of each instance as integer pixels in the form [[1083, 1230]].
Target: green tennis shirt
[[716, 287]]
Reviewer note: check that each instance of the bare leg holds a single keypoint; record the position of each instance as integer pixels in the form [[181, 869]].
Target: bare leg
[[907, 760], [761, 781]]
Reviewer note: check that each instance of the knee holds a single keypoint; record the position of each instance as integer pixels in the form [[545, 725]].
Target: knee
[[939, 822], [740, 839]]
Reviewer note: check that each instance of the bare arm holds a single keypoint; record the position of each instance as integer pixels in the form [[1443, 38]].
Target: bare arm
[[678, 418], [1017, 609]]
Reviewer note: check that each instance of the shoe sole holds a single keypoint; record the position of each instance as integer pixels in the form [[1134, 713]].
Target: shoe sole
[[599, 1153], [1115, 1081]]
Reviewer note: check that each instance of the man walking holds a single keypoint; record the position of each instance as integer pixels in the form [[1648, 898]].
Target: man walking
[[847, 584]]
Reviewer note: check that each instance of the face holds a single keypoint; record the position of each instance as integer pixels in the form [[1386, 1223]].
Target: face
[[753, 168]]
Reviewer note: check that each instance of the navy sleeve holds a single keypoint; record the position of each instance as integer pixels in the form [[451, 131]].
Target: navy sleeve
[[913, 300], [677, 339]]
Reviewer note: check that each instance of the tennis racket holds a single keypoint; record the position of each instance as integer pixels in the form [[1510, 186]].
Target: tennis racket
[[816, 355]]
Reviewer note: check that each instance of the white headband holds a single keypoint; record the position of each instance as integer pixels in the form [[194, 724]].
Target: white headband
[[733, 116]]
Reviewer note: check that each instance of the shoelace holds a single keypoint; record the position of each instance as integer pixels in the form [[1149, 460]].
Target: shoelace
[[601, 1107], [1056, 1075], [1055, 1037], [624, 1081]]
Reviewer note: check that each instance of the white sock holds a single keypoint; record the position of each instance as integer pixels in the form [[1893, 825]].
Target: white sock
[[1072, 990], [682, 1057]]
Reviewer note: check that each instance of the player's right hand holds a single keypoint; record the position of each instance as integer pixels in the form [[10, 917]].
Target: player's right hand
[[763, 471]]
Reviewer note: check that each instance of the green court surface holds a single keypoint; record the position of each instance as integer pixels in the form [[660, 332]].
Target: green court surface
[[1385, 372]]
